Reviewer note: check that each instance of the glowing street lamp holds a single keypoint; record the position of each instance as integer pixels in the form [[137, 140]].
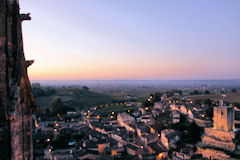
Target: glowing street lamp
[[160, 156]]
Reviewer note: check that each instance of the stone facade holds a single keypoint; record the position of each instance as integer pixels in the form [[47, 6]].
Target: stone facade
[[214, 154], [214, 142], [224, 118], [221, 135], [16, 98], [219, 141]]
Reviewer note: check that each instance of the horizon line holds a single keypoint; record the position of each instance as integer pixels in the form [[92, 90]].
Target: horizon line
[[135, 79]]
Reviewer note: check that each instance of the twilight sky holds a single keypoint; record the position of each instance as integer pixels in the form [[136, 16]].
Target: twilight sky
[[132, 39]]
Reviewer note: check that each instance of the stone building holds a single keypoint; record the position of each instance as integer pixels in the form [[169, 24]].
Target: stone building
[[220, 142], [16, 98], [224, 118], [169, 137]]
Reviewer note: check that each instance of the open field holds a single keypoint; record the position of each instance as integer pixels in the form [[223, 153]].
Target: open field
[[230, 97], [75, 97]]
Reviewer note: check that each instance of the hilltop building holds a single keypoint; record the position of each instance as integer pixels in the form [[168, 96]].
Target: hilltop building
[[220, 142]]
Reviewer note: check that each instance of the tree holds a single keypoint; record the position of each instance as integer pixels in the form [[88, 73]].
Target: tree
[[60, 141], [208, 102], [195, 132], [180, 92], [147, 103], [234, 90], [38, 91], [159, 124], [169, 94], [36, 85], [209, 111], [157, 96], [56, 102], [207, 92], [183, 118], [62, 110], [195, 92], [85, 88]]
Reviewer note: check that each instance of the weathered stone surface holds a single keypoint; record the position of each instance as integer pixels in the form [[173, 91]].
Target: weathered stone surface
[[219, 142], [212, 141], [224, 118], [220, 134], [213, 154], [16, 98]]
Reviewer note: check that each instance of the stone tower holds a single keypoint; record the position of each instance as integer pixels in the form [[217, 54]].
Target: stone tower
[[220, 142], [16, 98], [223, 118]]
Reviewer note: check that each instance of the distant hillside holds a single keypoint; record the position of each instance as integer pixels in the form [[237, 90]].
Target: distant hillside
[[230, 97], [75, 97]]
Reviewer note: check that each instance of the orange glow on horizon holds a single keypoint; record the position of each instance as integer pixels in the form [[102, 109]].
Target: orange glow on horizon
[[109, 72]]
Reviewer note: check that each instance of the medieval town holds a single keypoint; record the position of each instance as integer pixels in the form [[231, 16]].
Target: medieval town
[[109, 120]]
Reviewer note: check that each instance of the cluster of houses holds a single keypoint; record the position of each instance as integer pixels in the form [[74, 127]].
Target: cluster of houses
[[134, 135]]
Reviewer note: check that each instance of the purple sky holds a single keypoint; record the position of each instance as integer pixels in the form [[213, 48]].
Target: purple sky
[[133, 39]]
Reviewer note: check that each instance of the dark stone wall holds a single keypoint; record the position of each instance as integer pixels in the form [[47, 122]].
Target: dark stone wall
[[16, 98], [4, 125]]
